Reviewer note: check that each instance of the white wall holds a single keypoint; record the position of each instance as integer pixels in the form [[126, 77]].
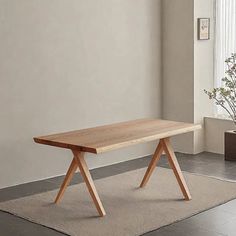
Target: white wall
[[214, 131], [203, 71], [73, 64], [178, 66], [187, 68]]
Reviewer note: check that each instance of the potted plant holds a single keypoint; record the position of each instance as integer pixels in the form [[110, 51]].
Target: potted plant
[[225, 97]]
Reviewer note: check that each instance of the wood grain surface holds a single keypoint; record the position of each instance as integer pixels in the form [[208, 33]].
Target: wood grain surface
[[109, 137]]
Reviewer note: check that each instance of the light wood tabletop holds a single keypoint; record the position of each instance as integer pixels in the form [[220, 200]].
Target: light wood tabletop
[[109, 137]]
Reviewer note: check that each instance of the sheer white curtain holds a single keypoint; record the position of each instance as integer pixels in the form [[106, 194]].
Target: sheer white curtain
[[225, 39]]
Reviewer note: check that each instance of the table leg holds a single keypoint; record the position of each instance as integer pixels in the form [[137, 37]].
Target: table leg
[[66, 181], [84, 171], [165, 145], [156, 157], [176, 168]]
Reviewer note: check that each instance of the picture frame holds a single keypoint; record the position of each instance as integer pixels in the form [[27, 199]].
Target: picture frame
[[203, 28]]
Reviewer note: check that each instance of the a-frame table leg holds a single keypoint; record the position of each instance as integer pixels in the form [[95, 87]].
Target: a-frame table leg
[[164, 145], [176, 168], [84, 171], [156, 157], [66, 181]]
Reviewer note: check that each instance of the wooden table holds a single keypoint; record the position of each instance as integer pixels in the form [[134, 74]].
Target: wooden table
[[109, 137]]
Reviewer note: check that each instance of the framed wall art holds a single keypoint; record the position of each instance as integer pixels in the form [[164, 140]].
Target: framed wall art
[[203, 28]]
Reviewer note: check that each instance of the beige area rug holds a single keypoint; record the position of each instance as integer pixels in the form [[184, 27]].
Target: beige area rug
[[130, 210]]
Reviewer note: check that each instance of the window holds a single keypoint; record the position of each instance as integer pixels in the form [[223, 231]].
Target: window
[[225, 39]]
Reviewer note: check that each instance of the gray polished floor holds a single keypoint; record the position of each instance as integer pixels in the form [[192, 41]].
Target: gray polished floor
[[217, 221]]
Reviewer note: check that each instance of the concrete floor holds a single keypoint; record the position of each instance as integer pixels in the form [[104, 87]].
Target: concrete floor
[[217, 221]]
